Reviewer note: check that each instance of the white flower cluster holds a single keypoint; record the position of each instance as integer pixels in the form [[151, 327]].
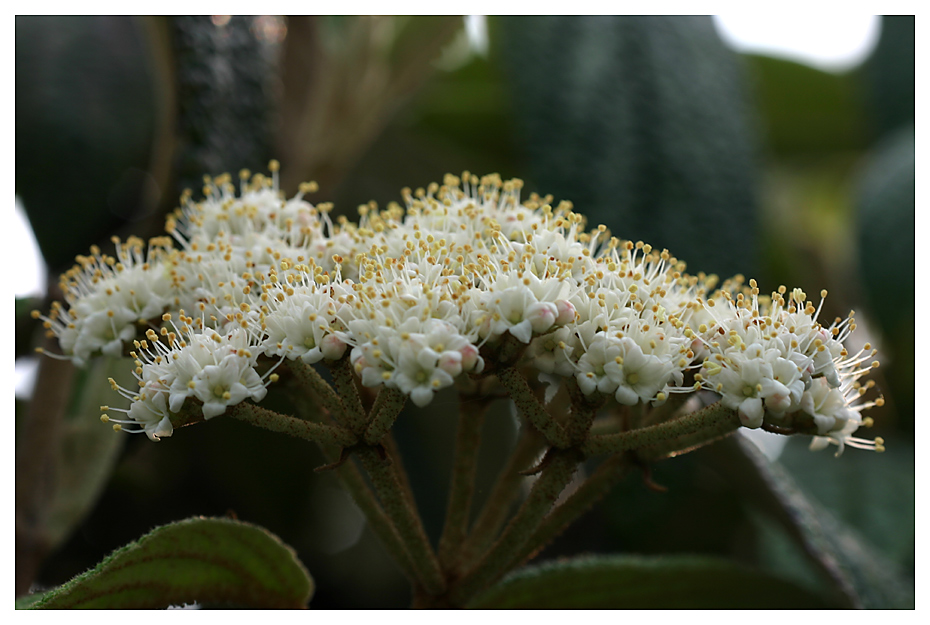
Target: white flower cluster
[[417, 296]]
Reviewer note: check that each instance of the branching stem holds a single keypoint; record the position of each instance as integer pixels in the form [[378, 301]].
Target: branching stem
[[708, 421], [308, 430], [553, 479], [531, 409], [387, 406], [464, 465], [405, 519]]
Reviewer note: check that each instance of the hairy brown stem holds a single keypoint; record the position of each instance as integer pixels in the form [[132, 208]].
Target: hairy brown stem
[[530, 408], [503, 493], [464, 465], [405, 519], [706, 422], [553, 479]]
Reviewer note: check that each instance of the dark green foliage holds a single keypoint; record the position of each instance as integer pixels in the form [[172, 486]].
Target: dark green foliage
[[214, 561], [85, 119], [636, 583], [886, 205], [641, 122], [807, 111], [890, 76], [857, 574]]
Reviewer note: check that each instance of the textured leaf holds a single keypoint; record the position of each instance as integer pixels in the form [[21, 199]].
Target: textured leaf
[[640, 121], [858, 573], [630, 582], [217, 561], [26, 602]]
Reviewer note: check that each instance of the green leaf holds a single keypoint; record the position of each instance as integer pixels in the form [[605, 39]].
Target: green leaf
[[26, 602], [217, 561], [632, 582], [859, 574], [642, 122]]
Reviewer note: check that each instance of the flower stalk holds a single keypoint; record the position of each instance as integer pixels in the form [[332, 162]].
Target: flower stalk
[[464, 465], [405, 518], [709, 421], [531, 409], [502, 496], [319, 433], [552, 480]]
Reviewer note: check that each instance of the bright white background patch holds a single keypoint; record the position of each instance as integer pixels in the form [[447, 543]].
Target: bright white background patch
[[834, 41], [29, 277]]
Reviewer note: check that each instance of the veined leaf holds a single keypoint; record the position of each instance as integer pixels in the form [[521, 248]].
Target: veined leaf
[[198, 559], [634, 582]]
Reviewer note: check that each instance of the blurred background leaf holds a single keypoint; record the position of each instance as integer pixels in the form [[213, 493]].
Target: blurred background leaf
[[65, 458], [89, 117], [643, 123], [636, 583]]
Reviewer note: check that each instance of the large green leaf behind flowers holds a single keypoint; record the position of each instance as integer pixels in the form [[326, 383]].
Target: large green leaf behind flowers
[[642, 123]]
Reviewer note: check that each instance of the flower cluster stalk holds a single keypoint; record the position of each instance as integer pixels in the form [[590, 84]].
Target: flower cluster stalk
[[502, 496], [531, 409], [592, 490], [344, 381], [308, 430], [405, 519], [464, 466], [552, 480], [388, 404], [353, 481], [713, 418], [317, 388]]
